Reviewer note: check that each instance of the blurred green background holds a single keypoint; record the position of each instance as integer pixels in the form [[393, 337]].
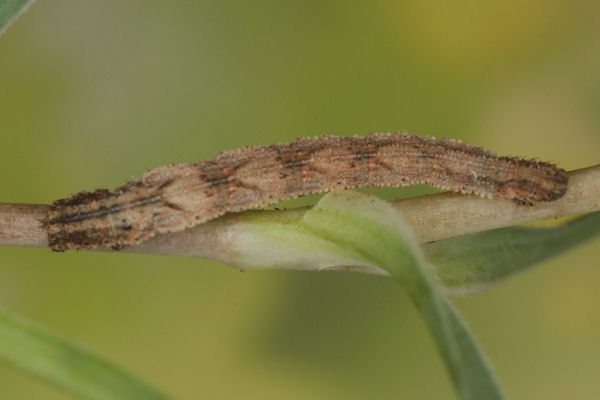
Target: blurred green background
[[93, 93]]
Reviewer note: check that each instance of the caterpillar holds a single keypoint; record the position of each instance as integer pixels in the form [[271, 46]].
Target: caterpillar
[[179, 196]]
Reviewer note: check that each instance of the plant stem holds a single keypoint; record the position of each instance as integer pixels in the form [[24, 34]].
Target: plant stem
[[433, 217], [21, 225]]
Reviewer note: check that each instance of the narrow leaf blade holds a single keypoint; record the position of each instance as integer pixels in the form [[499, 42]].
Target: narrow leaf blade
[[40, 353], [372, 232], [10, 10], [470, 263]]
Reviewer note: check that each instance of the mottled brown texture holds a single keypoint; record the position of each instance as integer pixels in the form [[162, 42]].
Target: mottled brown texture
[[179, 196]]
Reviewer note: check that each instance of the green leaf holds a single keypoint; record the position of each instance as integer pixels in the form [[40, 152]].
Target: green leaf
[[350, 228], [469, 263], [10, 10], [38, 352]]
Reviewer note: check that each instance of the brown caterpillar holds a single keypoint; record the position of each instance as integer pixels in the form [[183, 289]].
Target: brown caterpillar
[[179, 196]]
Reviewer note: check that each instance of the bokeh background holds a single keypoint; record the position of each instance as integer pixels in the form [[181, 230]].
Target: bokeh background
[[93, 93]]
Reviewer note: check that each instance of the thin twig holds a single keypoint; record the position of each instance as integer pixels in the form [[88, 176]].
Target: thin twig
[[432, 217], [21, 225]]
